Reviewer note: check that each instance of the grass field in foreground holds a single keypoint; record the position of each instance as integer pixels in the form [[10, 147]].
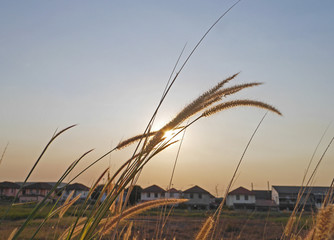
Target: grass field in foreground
[[182, 224]]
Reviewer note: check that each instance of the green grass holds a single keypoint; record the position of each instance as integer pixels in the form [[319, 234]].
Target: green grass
[[20, 212]]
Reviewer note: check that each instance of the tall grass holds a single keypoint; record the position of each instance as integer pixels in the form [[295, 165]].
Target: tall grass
[[208, 104], [105, 216]]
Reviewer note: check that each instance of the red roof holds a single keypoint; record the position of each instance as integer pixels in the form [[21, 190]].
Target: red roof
[[241, 191]]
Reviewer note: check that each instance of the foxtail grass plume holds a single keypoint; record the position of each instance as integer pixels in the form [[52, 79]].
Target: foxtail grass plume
[[237, 103], [202, 104], [324, 228], [205, 230], [108, 224], [134, 139]]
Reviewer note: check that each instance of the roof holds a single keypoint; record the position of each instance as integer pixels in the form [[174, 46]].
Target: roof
[[40, 185], [241, 191], [153, 189], [173, 190], [77, 186], [9, 185], [295, 189], [60, 185], [197, 189], [262, 194]]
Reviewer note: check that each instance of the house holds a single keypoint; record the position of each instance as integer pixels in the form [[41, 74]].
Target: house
[[35, 192], [263, 201], [198, 198], [78, 188], [8, 189], [152, 193], [241, 198], [286, 196], [173, 193]]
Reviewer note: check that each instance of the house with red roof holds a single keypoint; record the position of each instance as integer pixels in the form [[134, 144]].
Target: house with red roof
[[241, 198], [152, 193], [198, 197]]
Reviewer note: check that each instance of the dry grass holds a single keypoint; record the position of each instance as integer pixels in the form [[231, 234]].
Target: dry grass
[[324, 228], [205, 230]]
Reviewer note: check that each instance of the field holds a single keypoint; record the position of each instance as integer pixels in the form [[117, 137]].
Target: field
[[181, 224]]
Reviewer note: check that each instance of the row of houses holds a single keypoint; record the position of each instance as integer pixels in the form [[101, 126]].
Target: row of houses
[[198, 198], [36, 191], [278, 198]]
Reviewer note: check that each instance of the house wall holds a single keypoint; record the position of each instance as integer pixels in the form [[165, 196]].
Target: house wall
[[31, 198], [83, 195], [232, 199], [275, 196], [145, 196], [173, 195], [198, 199], [43, 192], [8, 192]]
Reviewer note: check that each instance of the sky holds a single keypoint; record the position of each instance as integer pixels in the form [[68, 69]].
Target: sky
[[103, 65]]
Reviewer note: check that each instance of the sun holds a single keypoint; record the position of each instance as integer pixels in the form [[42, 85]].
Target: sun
[[172, 135]]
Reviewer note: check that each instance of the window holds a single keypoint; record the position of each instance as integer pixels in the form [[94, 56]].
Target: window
[[155, 195], [162, 194], [199, 195], [246, 197], [148, 195], [191, 195], [237, 197]]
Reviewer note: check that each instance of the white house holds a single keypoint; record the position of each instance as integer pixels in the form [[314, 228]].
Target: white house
[[173, 193], [78, 188], [198, 198], [152, 193], [241, 198]]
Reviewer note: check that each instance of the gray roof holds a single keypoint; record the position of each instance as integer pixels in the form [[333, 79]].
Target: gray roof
[[153, 189], [295, 189], [50, 183], [262, 194], [173, 190], [9, 185], [39, 185], [197, 189], [77, 186]]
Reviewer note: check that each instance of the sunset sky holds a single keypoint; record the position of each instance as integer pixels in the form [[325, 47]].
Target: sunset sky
[[104, 64]]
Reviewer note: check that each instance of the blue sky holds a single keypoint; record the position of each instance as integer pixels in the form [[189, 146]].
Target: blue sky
[[104, 65]]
